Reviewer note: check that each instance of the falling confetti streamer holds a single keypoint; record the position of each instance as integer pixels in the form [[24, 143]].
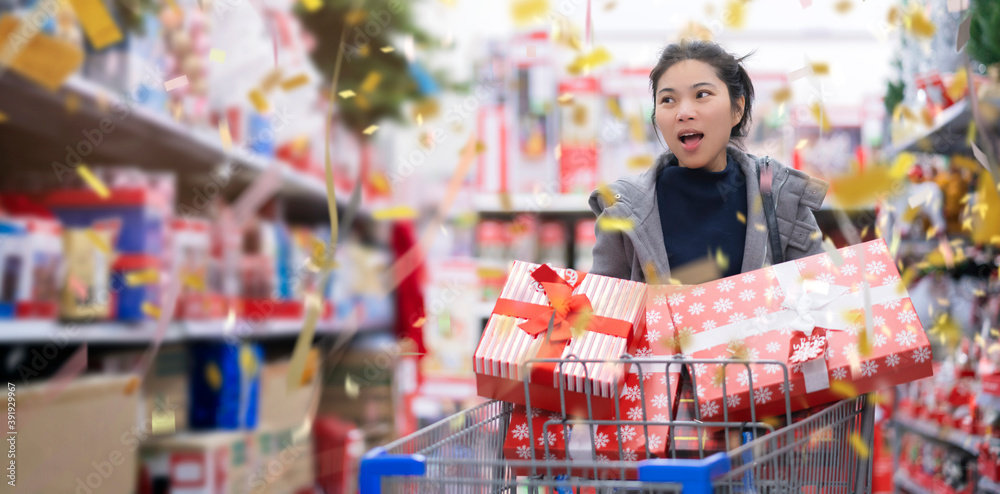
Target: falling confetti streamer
[[820, 68], [963, 34], [610, 224], [387, 49], [347, 94], [843, 6], [175, 83], [741, 217], [860, 446], [213, 376], [835, 255], [259, 101], [734, 15], [821, 117], [93, 182], [782, 94], [800, 73], [802, 144], [843, 388], [370, 130], [312, 5], [351, 387], [294, 82], [856, 189]]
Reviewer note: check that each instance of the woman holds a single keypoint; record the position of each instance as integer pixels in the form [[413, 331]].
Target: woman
[[703, 196]]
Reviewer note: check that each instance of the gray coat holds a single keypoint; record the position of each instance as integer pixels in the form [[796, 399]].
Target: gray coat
[[626, 254]]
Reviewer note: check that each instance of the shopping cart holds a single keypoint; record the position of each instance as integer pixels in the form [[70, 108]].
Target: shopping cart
[[819, 454]]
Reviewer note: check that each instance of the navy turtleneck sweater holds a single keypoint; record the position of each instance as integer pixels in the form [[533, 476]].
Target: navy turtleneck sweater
[[698, 213]]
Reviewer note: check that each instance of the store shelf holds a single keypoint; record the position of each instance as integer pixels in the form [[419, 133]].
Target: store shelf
[[952, 437], [533, 203], [908, 485], [947, 136], [120, 333], [39, 128]]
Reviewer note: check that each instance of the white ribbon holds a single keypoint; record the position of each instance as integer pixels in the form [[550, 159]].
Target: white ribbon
[[808, 304]]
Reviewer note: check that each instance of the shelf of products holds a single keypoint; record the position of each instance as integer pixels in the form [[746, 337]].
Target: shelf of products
[[946, 136], [120, 131], [952, 437]]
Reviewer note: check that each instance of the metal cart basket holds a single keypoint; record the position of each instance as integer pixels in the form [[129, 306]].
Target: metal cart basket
[[824, 453]]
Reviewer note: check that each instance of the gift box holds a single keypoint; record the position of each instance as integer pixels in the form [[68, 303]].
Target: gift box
[[545, 436], [811, 315], [544, 313]]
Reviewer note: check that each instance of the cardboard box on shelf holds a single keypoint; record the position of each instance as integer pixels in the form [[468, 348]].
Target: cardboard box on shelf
[[164, 402], [284, 407], [284, 462], [201, 463], [81, 438]]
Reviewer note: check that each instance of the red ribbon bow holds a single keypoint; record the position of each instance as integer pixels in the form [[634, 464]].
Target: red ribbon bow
[[565, 311]]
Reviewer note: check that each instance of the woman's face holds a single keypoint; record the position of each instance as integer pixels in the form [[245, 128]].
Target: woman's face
[[694, 115]]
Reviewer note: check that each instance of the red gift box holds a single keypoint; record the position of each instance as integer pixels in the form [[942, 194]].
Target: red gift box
[[659, 392], [809, 313], [544, 313]]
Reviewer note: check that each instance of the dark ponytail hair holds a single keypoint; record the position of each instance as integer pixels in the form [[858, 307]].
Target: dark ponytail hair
[[727, 67]]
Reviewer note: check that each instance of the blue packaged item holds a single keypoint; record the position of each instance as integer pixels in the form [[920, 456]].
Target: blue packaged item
[[137, 209], [260, 136], [224, 383], [130, 297], [12, 235]]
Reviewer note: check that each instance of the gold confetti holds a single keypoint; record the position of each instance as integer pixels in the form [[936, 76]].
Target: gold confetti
[[721, 260], [371, 82], [224, 135], [893, 16], [640, 162], [97, 23], [741, 217], [144, 277], [394, 213], [802, 144], [606, 195], [843, 388], [258, 100], [820, 68], [565, 98], [855, 190], [60, 58], [820, 116], [217, 56], [480, 147], [131, 386], [312, 5], [614, 224], [212, 376], [958, 85], [370, 130], [419, 323], [194, 282], [917, 23], [163, 422], [610, 5], [734, 15], [346, 94], [599, 56], [300, 353], [615, 109], [782, 94], [72, 103], [151, 310], [843, 6], [294, 82], [387, 49], [526, 11], [93, 182], [860, 446], [355, 17]]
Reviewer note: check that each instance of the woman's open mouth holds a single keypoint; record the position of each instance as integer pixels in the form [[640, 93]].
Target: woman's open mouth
[[691, 140]]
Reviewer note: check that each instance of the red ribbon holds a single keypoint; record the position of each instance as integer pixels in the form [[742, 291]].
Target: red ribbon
[[564, 311]]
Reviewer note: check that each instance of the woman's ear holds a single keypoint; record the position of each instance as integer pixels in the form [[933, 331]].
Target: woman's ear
[[738, 114]]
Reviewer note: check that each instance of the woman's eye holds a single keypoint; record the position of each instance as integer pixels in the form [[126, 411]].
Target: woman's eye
[[666, 99], [706, 93]]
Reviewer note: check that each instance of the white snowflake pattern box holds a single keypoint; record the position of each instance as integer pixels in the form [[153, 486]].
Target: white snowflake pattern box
[[548, 436], [841, 324]]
